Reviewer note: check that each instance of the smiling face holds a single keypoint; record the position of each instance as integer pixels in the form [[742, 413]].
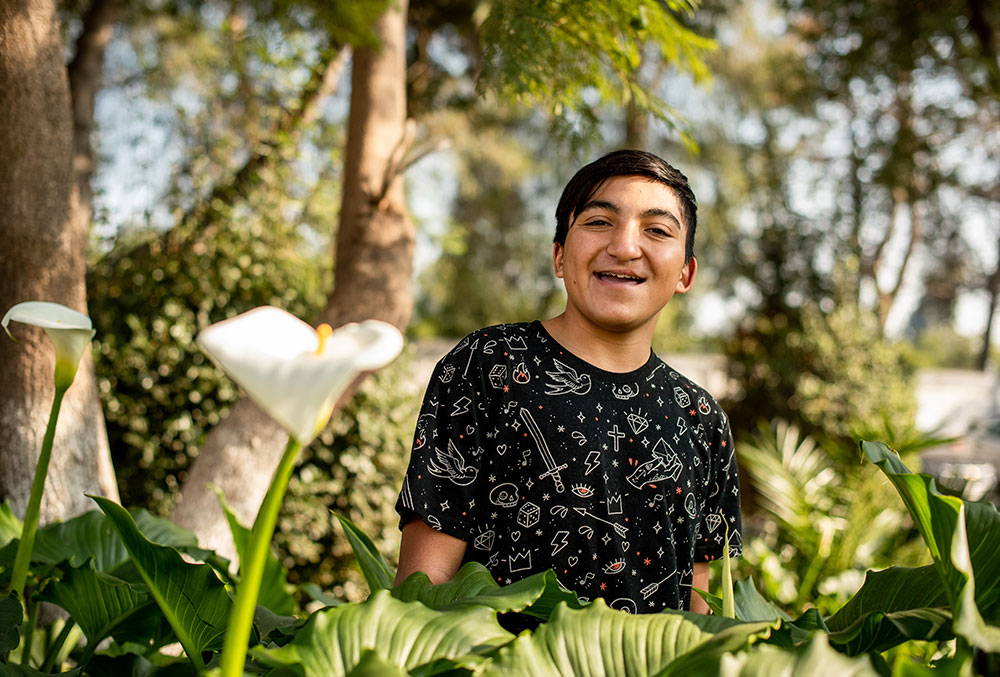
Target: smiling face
[[624, 256]]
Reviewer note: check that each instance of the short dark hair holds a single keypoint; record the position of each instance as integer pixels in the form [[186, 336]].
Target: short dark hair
[[590, 178]]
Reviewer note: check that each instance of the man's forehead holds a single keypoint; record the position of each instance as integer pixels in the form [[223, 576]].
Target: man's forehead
[[657, 199]]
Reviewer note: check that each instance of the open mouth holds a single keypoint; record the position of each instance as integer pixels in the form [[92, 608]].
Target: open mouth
[[619, 278]]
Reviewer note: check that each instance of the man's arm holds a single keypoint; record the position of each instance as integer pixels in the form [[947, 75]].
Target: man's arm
[[425, 549], [699, 579]]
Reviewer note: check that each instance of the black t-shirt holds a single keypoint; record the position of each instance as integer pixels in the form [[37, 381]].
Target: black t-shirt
[[537, 460]]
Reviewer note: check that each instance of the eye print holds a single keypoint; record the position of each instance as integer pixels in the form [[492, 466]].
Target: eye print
[[582, 490], [615, 567]]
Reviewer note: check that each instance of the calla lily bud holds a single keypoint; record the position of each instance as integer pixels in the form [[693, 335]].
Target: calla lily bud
[[69, 331], [290, 370]]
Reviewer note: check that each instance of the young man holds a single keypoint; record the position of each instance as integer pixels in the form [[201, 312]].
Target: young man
[[567, 444]]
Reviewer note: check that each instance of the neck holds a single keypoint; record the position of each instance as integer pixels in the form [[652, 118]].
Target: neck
[[608, 350]]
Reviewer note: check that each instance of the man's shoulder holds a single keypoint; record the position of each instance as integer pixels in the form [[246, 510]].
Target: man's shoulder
[[696, 394]]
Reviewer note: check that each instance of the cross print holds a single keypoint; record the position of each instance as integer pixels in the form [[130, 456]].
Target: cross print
[[616, 435]]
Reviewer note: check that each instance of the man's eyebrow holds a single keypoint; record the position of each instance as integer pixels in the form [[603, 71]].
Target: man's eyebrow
[[651, 212], [656, 211], [601, 204]]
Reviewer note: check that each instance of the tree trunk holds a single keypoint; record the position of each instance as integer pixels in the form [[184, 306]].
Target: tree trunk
[[84, 82], [636, 127], [374, 259], [42, 258], [993, 289]]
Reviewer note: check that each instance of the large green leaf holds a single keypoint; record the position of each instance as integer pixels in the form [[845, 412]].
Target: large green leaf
[[22, 671], [536, 595], [968, 621], [98, 602], [191, 596], [936, 517], [91, 535], [749, 604], [597, 640], [704, 659], [11, 617], [899, 604], [10, 525], [134, 665], [893, 605], [815, 658], [403, 634], [76, 540], [376, 570], [274, 593], [371, 665]]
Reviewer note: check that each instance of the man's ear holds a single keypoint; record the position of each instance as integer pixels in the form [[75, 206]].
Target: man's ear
[[557, 259], [687, 276]]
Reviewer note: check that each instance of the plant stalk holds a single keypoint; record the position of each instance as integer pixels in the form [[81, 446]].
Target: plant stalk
[[23, 557], [57, 645], [29, 633], [234, 648]]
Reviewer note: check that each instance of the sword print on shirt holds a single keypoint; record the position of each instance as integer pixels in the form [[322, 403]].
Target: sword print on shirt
[[619, 482]]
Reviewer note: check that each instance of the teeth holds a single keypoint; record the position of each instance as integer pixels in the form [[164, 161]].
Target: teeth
[[621, 277]]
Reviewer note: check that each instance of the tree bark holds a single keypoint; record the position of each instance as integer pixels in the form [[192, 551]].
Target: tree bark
[[373, 258], [42, 259]]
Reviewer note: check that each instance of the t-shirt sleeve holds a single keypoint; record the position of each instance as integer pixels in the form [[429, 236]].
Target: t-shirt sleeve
[[722, 507], [443, 475]]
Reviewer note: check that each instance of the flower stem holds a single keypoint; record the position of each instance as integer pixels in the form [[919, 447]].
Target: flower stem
[[57, 646], [234, 648], [23, 557], [29, 634]]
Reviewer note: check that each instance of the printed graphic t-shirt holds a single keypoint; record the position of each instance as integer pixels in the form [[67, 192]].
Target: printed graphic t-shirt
[[619, 482]]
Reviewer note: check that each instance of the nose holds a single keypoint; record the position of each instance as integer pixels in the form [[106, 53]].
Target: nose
[[623, 242]]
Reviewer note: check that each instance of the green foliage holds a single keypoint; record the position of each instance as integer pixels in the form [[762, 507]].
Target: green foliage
[[537, 595], [573, 56], [10, 525], [943, 348], [11, 617], [452, 628], [827, 519], [378, 574], [190, 596], [817, 658], [148, 302], [406, 634], [599, 640], [831, 371]]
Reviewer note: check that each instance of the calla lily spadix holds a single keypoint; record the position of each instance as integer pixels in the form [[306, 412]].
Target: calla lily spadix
[[290, 370], [69, 331]]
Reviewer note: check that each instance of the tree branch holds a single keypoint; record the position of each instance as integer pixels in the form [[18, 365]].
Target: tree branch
[[321, 85]]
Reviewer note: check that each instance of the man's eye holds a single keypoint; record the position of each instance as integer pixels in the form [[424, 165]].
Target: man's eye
[[658, 232], [597, 222]]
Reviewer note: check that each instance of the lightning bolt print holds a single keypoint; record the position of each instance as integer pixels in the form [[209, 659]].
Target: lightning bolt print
[[461, 405], [592, 462], [559, 541]]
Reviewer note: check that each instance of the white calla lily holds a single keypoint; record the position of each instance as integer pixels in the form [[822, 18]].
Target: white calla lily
[[69, 331], [292, 371]]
